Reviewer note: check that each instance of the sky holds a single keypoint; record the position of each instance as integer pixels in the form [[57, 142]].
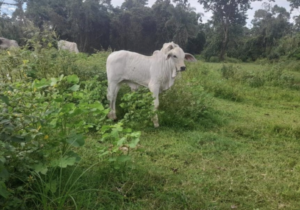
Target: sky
[[7, 8], [194, 3]]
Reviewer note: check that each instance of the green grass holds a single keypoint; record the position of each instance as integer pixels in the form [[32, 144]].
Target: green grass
[[248, 160], [229, 139]]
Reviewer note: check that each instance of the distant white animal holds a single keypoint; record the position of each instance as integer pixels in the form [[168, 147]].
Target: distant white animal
[[157, 72], [66, 45], [7, 43]]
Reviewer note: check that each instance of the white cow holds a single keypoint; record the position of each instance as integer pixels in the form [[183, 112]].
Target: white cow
[[168, 46], [66, 45], [7, 44], [157, 72]]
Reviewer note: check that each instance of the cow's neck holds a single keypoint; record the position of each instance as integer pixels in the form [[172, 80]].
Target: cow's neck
[[169, 75]]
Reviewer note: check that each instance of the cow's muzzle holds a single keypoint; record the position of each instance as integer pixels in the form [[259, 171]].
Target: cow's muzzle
[[182, 68]]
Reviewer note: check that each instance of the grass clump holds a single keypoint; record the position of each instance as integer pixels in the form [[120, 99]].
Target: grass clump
[[187, 104]]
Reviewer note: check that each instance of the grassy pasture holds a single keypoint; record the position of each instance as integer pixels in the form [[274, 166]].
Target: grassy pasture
[[229, 139], [244, 155]]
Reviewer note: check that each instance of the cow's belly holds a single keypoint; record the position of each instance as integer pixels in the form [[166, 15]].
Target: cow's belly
[[137, 75]]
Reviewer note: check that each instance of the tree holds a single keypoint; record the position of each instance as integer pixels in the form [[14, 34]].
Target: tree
[[196, 45], [294, 4], [85, 22], [162, 11], [270, 25], [13, 26], [130, 4], [184, 21], [93, 23], [297, 23], [178, 24], [227, 14], [133, 27]]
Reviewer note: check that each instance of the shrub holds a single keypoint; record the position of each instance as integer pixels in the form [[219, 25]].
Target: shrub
[[232, 60], [214, 59], [228, 71], [256, 81], [40, 123], [293, 66], [138, 108], [295, 54], [274, 56], [47, 63], [227, 91], [273, 74]]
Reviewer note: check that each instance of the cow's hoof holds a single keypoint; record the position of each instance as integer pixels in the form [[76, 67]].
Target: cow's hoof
[[112, 116]]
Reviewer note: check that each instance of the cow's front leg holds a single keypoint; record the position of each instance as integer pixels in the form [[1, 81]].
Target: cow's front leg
[[112, 93], [155, 93]]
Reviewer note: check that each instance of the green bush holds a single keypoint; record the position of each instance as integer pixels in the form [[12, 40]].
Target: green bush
[[294, 54], [274, 56], [214, 59], [256, 81], [47, 63], [228, 71], [293, 66], [232, 60], [138, 108], [227, 91], [40, 124]]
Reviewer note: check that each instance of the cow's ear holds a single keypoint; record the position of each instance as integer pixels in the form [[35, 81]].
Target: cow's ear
[[189, 57], [170, 47], [169, 56]]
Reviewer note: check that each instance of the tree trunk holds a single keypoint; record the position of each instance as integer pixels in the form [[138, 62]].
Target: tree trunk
[[224, 42]]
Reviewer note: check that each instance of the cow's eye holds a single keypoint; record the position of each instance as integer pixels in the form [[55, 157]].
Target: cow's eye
[[174, 56]]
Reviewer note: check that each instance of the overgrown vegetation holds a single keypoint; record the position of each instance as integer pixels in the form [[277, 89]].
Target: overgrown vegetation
[[41, 122], [229, 135], [227, 132]]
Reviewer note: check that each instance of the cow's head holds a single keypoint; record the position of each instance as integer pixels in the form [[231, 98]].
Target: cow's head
[[178, 56]]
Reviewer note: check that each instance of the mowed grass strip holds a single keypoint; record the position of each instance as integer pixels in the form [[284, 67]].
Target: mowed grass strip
[[218, 171]]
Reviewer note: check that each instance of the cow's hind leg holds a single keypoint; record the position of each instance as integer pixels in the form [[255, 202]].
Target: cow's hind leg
[[155, 93], [112, 92]]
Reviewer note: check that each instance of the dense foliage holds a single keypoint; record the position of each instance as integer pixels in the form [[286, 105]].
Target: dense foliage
[[97, 25], [45, 116]]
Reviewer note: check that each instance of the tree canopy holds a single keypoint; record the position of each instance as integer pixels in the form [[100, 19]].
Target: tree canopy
[[97, 25]]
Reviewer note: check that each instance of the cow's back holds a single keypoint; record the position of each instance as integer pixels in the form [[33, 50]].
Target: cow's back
[[128, 66], [66, 45], [75, 48], [6, 43]]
